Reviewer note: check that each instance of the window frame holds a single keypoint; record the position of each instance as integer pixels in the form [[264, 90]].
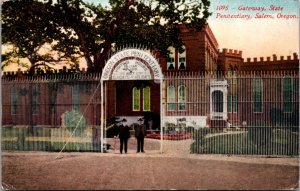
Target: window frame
[[257, 83], [148, 99], [181, 102], [171, 100], [136, 99]]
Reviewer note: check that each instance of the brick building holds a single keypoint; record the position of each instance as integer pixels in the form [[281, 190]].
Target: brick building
[[201, 87]]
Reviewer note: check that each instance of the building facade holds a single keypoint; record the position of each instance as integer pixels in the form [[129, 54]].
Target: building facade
[[200, 87]]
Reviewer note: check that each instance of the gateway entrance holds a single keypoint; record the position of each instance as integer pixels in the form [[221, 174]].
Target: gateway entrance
[[131, 66]]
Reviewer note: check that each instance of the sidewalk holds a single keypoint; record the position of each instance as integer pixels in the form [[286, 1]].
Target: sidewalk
[[175, 168]]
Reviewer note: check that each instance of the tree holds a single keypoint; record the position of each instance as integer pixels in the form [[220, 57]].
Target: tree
[[74, 28]]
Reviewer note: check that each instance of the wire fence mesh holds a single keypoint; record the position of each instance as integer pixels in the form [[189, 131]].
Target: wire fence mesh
[[223, 113]]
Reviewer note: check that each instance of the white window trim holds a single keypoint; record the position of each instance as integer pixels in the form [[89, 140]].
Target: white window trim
[[168, 98]]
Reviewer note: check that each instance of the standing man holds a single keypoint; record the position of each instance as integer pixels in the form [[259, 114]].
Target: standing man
[[140, 132], [124, 135]]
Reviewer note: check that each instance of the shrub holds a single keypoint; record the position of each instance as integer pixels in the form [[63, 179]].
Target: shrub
[[74, 120], [260, 135], [276, 116]]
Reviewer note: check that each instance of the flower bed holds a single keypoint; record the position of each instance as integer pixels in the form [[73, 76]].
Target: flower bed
[[179, 136]]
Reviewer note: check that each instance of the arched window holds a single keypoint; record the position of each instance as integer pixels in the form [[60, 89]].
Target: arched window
[[217, 98], [14, 100], [146, 100], [182, 60], [257, 89], [171, 59], [181, 97], [136, 99], [171, 97]]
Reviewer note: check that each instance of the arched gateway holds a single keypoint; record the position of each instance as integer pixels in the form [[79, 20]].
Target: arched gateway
[[130, 64]]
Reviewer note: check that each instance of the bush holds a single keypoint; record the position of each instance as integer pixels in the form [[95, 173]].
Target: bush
[[276, 116], [74, 120]]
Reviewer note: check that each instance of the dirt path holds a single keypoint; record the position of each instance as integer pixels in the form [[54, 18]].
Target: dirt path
[[150, 170]]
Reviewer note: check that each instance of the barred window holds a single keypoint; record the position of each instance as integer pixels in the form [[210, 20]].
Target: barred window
[[181, 97], [136, 99], [14, 100], [257, 88], [287, 94], [146, 100], [171, 98]]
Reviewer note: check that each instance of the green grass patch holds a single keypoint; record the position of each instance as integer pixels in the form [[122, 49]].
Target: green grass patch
[[281, 142]]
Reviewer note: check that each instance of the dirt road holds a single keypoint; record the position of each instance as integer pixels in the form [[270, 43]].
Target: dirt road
[[150, 170]]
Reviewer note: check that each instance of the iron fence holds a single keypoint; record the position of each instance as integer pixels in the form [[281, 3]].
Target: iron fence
[[224, 113], [247, 141]]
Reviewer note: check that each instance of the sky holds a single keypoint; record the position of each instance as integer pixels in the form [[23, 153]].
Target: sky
[[256, 37]]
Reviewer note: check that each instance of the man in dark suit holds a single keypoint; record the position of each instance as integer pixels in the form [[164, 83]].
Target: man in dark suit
[[124, 135], [140, 132]]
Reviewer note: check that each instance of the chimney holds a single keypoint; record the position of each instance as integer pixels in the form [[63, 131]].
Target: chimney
[[248, 59], [289, 57], [295, 56], [255, 59], [281, 57], [230, 50], [274, 57], [240, 52], [224, 50], [261, 59], [268, 58]]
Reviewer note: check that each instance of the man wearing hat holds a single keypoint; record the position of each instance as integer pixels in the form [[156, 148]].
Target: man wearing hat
[[140, 132], [124, 135]]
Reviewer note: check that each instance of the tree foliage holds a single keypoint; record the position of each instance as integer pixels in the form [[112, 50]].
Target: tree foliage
[[75, 28]]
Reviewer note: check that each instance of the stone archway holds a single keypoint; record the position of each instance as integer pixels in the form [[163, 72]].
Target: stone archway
[[130, 64]]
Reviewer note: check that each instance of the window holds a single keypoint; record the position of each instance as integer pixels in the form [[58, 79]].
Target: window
[[217, 98], [182, 60], [75, 97], [146, 100], [171, 59], [35, 98], [287, 94], [181, 97], [171, 98], [232, 103], [14, 100], [257, 87], [136, 99]]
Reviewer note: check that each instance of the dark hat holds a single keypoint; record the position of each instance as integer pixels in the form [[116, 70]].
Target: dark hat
[[124, 120], [140, 119]]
